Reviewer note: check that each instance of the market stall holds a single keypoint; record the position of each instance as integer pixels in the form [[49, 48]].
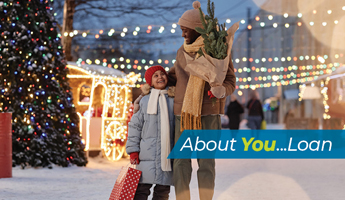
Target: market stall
[[330, 89], [102, 97]]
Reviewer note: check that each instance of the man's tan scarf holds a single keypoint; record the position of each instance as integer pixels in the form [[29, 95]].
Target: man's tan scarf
[[192, 102]]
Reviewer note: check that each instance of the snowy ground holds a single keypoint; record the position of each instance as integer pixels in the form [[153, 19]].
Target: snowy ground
[[236, 179]]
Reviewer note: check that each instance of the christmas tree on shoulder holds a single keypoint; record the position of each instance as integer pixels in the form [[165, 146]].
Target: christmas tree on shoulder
[[34, 87]]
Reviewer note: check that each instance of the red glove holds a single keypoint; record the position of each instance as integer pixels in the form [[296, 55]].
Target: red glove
[[134, 158]]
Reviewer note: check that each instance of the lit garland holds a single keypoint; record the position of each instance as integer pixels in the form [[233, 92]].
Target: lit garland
[[301, 93], [324, 90]]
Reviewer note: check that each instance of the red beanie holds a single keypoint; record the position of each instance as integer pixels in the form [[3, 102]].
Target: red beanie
[[150, 71]]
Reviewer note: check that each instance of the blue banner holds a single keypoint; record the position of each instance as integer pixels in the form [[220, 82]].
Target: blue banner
[[252, 144]]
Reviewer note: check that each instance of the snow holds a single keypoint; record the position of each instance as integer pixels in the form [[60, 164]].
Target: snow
[[98, 69], [236, 179]]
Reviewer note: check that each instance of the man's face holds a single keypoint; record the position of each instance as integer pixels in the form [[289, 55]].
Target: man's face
[[190, 35]]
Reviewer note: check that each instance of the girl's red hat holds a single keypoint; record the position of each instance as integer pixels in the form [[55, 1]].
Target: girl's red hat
[[150, 71]]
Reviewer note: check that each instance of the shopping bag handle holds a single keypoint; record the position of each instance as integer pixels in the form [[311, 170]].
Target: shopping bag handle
[[131, 165]]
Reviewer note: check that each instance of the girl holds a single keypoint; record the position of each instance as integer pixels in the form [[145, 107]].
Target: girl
[[150, 137]]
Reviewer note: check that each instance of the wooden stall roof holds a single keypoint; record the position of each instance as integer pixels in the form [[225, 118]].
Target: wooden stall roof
[[95, 70]]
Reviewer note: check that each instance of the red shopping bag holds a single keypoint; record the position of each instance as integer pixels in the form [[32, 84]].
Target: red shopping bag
[[126, 184]]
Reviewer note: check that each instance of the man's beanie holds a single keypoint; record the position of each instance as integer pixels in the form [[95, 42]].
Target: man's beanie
[[191, 18], [150, 71]]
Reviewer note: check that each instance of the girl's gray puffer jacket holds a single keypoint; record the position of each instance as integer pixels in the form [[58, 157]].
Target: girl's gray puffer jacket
[[144, 136]]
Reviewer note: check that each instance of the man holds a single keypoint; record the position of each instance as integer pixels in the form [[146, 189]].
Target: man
[[210, 114]]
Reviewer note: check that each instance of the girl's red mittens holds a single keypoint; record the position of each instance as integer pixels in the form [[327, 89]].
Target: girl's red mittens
[[134, 158]]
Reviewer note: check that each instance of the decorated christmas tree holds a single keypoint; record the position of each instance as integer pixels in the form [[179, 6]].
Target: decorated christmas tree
[[34, 87]]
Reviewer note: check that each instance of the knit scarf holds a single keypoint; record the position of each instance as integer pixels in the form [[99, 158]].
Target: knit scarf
[[159, 95], [192, 102]]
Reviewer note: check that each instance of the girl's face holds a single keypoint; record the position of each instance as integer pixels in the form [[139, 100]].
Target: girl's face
[[159, 80]]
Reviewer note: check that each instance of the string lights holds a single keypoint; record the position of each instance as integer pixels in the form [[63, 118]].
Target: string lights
[[322, 69], [134, 63], [124, 31], [324, 86]]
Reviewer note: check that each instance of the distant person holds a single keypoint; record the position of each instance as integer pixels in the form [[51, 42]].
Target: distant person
[[255, 113], [234, 111]]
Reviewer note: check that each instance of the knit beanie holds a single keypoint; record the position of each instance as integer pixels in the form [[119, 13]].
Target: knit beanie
[[191, 18], [150, 71]]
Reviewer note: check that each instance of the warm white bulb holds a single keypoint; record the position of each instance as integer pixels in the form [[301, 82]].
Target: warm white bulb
[[321, 59]]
